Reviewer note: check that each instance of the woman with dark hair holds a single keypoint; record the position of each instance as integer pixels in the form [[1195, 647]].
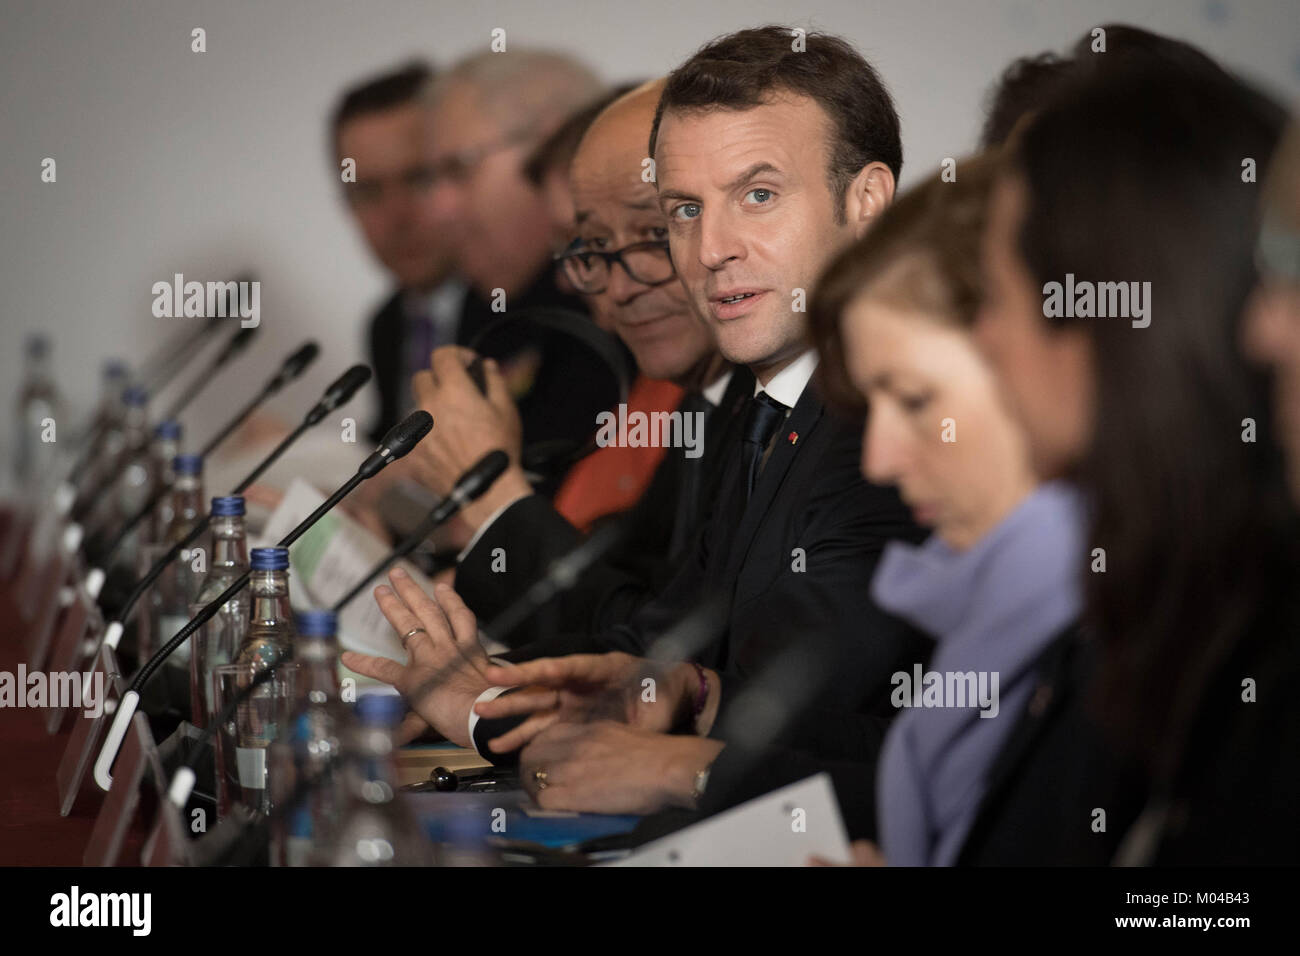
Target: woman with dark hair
[[1011, 777], [1128, 195]]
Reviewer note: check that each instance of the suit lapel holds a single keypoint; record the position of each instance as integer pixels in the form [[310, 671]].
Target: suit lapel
[[790, 439], [1046, 700]]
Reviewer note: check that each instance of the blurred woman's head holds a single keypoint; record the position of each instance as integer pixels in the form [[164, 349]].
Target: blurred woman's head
[[1272, 329], [892, 317], [1137, 175]]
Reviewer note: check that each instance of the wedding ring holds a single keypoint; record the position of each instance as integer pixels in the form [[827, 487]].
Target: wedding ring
[[539, 777], [411, 633]]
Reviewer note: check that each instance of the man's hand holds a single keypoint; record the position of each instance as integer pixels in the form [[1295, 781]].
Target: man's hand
[[648, 695], [606, 767], [469, 426], [445, 672]]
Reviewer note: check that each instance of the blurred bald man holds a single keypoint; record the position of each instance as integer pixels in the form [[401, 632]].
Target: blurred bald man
[[619, 261], [487, 114]]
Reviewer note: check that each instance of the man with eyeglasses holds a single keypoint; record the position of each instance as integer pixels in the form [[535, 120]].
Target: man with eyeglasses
[[770, 160], [619, 261], [378, 129]]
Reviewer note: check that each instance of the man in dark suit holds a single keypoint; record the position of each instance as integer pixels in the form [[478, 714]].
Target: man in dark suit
[[768, 161], [619, 261], [380, 141]]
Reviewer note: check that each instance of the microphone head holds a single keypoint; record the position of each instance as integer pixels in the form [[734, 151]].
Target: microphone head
[[238, 342], [406, 434], [298, 362], [339, 391], [483, 473], [345, 386]]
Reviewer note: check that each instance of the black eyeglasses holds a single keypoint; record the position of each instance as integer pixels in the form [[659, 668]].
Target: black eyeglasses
[[588, 269]]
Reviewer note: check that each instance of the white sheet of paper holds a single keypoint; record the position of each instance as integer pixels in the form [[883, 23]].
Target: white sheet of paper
[[781, 828], [327, 561]]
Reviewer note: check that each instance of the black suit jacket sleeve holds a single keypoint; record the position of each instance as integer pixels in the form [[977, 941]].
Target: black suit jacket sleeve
[[387, 340]]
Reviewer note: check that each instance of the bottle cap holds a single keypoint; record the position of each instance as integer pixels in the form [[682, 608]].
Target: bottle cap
[[316, 623], [135, 395], [269, 559], [187, 464], [229, 506], [170, 430], [114, 369], [380, 710], [37, 346]]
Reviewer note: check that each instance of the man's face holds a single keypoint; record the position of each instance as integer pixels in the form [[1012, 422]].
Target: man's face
[[751, 220], [390, 198], [614, 208], [497, 221]]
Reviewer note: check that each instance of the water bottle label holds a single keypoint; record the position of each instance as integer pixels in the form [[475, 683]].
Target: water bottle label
[[251, 764]]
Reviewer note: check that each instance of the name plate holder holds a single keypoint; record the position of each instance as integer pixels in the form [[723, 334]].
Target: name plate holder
[[74, 647], [137, 760], [168, 843], [88, 733]]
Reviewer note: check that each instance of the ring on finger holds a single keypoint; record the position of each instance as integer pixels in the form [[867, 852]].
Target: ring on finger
[[411, 633], [540, 778]]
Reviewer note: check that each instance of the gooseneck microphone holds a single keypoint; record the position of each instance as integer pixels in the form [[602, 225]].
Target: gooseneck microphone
[[398, 442], [471, 486], [293, 366], [290, 369], [339, 392], [157, 371], [238, 342]]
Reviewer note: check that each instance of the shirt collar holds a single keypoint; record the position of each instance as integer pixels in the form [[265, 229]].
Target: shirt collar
[[442, 305], [713, 393], [788, 384]]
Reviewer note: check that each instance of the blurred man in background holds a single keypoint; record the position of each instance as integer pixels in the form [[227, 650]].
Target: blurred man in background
[[380, 126], [486, 116]]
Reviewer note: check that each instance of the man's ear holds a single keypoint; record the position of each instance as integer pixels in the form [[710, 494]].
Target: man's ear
[[870, 193]]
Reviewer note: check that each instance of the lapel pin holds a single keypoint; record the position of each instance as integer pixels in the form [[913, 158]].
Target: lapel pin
[[793, 437]]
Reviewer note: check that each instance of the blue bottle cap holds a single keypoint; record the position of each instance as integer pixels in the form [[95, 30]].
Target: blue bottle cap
[[380, 710], [135, 395], [229, 506], [37, 345], [170, 430], [114, 369], [317, 623], [187, 464], [269, 559]]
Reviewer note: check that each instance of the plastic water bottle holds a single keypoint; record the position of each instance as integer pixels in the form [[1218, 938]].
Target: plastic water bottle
[[270, 635], [39, 414], [217, 641], [378, 827], [164, 448], [306, 754], [168, 604]]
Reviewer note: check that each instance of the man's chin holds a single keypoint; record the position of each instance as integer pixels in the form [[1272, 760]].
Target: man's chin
[[743, 341]]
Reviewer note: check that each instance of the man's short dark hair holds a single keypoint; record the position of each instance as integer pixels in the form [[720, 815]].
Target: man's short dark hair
[[743, 70], [378, 94]]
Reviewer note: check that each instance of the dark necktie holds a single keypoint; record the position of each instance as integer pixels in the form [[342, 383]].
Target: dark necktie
[[762, 418]]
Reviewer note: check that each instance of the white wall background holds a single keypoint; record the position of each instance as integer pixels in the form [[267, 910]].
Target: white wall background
[[206, 164]]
